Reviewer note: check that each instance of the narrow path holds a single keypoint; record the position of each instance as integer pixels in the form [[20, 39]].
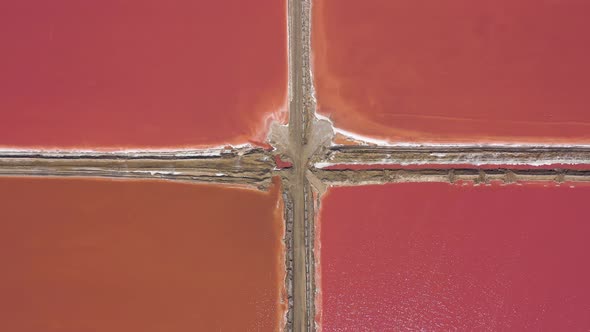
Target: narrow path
[[297, 181]]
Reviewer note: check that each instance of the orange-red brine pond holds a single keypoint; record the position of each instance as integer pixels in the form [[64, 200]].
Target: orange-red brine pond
[[454, 71], [103, 255], [140, 73], [440, 257]]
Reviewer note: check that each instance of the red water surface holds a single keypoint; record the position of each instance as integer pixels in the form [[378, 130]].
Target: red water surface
[[140, 73], [452, 71], [439, 257], [98, 255]]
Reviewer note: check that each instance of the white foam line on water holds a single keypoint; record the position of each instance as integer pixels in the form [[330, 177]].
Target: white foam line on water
[[510, 162], [154, 173], [184, 152], [374, 141]]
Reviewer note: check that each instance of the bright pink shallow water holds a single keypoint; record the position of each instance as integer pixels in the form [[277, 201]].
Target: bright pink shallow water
[[140, 73], [459, 70], [442, 257]]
